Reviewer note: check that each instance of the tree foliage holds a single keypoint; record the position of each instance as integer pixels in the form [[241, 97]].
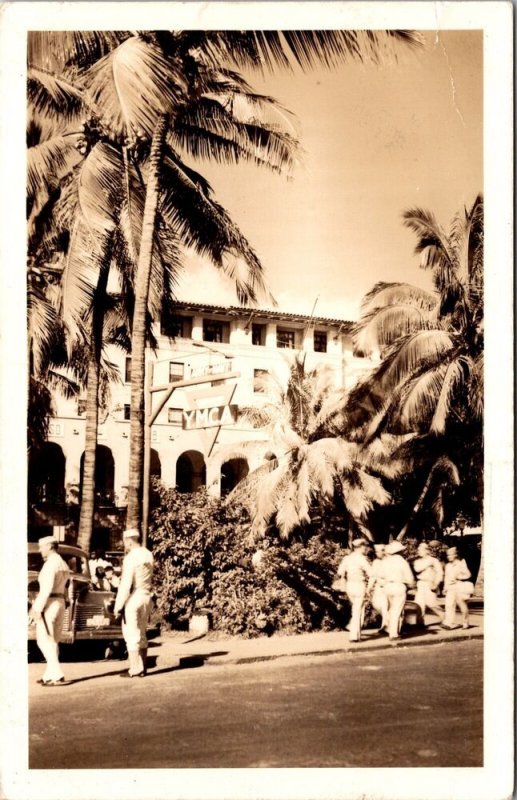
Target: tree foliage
[[430, 378]]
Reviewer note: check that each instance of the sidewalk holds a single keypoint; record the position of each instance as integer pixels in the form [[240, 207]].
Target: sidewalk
[[181, 650], [184, 649]]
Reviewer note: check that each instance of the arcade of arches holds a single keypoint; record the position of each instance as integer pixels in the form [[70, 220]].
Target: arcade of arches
[[47, 469]]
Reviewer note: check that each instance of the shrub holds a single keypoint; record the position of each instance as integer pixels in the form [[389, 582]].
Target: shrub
[[205, 558]]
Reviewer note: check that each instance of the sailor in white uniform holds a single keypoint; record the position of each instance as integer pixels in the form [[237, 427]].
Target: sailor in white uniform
[[376, 586], [133, 601], [397, 577], [48, 609], [429, 575], [356, 568]]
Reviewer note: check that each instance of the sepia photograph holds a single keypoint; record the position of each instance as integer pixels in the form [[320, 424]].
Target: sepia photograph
[[264, 459]]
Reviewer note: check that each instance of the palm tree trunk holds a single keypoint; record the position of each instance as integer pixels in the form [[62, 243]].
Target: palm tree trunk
[[143, 274], [92, 408], [418, 504], [90, 451]]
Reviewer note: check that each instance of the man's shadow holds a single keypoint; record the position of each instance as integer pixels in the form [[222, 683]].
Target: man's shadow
[[184, 662]]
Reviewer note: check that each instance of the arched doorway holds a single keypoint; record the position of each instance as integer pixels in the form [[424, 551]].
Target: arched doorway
[[232, 472], [190, 471], [104, 476], [46, 480], [155, 465]]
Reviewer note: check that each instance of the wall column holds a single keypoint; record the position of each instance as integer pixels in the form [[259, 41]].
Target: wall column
[[197, 329], [271, 334]]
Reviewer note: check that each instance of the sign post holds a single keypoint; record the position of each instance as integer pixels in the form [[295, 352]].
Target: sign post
[[214, 417]]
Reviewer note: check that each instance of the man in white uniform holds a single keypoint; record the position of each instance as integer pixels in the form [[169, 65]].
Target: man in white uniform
[[458, 588], [133, 601], [429, 575], [48, 609], [356, 568], [376, 586], [397, 577]]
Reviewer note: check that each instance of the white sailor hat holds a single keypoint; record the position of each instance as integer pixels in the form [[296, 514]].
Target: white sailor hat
[[394, 547], [48, 540], [131, 533], [358, 542]]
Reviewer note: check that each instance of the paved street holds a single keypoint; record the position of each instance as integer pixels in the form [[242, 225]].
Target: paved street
[[412, 707]]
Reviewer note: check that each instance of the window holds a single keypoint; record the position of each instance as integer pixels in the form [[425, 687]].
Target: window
[[127, 411], [260, 378], [81, 408], [258, 334], [285, 338], [127, 375], [212, 331], [175, 326], [175, 372], [320, 341], [175, 416]]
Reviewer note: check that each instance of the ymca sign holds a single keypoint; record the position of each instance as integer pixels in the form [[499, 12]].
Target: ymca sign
[[197, 418]]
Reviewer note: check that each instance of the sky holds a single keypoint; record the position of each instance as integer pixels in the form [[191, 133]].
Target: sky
[[376, 141]]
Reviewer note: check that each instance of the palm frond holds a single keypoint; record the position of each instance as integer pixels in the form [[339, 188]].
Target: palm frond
[[384, 326], [423, 347], [455, 375], [49, 162], [54, 96], [204, 225], [420, 396], [206, 128], [100, 187], [387, 294], [134, 85], [42, 321], [282, 49], [432, 241], [58, 49]]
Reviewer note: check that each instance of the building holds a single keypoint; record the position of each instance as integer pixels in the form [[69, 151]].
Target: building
[[197, 438]]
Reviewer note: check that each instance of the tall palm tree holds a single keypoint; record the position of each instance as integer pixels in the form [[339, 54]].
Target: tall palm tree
[[157, 92], [304, 424], [430, 379], [106, 224]]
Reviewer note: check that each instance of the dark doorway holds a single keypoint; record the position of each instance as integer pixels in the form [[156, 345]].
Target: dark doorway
[[155, 465], [46, 480], [104, 476], [232, 472], [190, 471]]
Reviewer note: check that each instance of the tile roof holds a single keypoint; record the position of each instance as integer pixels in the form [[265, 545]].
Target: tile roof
[[234, 311]]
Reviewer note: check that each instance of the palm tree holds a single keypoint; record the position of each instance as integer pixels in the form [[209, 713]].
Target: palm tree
[[157, 92], [304, 425], [106, 219], [430, 379], [49, 366]]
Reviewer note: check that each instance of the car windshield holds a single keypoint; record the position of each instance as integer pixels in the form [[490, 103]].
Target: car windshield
[[76, 563]]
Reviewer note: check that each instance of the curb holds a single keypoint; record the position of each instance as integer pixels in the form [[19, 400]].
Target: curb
[[373, 646]]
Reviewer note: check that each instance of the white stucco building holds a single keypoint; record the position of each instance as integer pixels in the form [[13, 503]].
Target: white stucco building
[[196, 438]]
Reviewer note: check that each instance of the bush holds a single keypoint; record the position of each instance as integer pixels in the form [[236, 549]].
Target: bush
[[205, 559]]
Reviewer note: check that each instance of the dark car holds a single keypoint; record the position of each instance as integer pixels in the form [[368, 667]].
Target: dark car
[[89, 615]]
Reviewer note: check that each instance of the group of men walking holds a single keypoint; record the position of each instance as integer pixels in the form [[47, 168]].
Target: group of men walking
[[132, 605], [386, 580]]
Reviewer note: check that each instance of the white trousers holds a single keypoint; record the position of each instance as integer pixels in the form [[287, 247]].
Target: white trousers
[[134, 627], [356, 591], [396, 597], [458, 591], [380, 604], [424, 596], [48, 640]]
